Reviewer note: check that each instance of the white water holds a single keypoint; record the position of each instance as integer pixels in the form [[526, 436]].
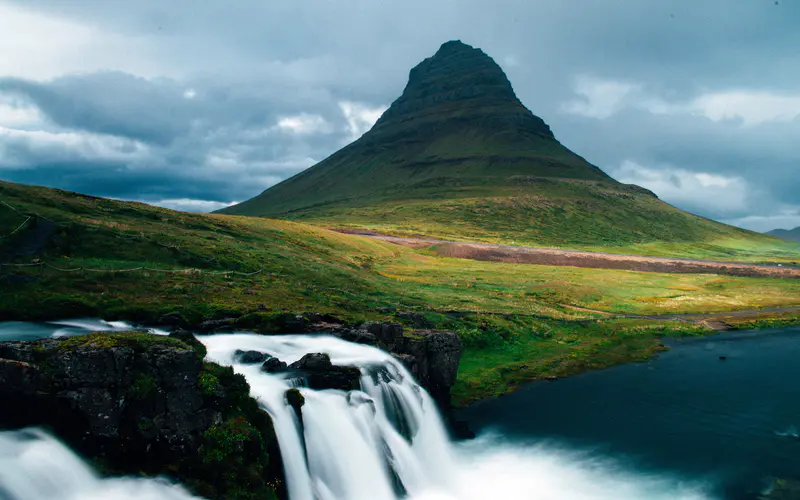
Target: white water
[[35, 466], [351, 445]]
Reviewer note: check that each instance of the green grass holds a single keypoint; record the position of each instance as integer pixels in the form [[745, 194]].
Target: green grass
[[475, 186], [595, 217], [518, 322]]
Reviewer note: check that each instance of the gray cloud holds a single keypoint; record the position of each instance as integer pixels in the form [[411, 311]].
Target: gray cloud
[[234, 97]]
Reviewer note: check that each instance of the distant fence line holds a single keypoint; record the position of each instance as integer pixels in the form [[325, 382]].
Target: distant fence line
[[190, 270], [29, 214], [17, 229]]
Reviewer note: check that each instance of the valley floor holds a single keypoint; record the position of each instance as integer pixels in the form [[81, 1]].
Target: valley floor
[[577, 258]]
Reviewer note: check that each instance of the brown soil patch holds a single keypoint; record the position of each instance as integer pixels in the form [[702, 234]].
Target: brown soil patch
[[577, 258]]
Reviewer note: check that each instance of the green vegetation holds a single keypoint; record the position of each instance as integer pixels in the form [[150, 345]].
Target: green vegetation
[[142, 387], [459, 157], [518, 322], [136, 341], [235, 454]]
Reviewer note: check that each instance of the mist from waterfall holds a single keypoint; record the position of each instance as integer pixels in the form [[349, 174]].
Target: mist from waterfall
[[36, 466]]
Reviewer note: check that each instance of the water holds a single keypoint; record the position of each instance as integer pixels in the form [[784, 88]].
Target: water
[[731, 422], [18, 330], [35, 466], [645, 431]]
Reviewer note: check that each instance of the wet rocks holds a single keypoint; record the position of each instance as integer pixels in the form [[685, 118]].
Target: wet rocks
[[250, 357], [273, 365], [313, 362], [295, 399], [319, 373]]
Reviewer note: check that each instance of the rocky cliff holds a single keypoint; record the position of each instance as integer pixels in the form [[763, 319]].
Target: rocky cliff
[[138, 403]]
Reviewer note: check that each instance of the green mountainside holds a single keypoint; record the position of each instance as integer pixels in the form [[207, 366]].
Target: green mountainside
[[786, 234], [458, 156]]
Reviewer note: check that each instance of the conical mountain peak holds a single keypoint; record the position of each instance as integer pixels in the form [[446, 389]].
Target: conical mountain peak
[[458, 84], [457, 130]]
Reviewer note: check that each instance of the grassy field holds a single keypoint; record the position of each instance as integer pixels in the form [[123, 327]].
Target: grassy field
[[581, 219], [518, 322]]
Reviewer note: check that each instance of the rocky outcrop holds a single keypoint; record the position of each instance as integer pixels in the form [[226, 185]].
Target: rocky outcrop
[[141, 403], [431, 356], [320, 373]]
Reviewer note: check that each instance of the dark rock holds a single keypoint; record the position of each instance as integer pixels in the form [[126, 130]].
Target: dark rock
[[174, 319], [723, 358], [316, 318], [312, 362], [189, 339], [273, 365], [386, 310], [408, 361], [296, 324], [250, 357], [214, 325], [436, 355], [358, 336], [551, 378], [295, 399], [319, 373], [415, 319], [140, 403], [386, 333]]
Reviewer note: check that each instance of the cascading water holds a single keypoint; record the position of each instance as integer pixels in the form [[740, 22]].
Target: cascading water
[[35, 466], [350, 445], [386, 441]]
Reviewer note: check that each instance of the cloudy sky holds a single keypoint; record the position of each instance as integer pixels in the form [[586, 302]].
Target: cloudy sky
[[194, 105]]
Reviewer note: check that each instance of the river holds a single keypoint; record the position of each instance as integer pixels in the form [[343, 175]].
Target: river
[[687, 425]]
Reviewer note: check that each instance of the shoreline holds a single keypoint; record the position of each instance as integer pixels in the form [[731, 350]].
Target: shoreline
[[640, 338]]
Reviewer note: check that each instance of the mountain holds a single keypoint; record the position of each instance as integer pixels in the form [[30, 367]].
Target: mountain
[[458, 156], [786, 234]]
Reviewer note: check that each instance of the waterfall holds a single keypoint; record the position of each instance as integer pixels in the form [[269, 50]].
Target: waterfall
[[380, 443], [384, 442], [387, 441], [36, 466]]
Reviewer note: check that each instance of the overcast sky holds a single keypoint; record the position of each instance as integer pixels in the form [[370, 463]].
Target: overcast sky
[[195, 105]]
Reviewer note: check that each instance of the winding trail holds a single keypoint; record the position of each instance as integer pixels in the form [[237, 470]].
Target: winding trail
[[579, 258]]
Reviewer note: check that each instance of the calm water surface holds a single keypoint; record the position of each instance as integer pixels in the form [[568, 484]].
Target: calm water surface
[[731, 422]]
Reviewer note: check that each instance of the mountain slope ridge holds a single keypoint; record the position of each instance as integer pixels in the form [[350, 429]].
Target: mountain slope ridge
[[786, 234], [458, 156]]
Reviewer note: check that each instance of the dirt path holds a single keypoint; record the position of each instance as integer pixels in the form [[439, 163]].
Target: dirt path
[[578, 258]]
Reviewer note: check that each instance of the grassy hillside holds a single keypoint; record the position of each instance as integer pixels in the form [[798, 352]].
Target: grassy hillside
[[459, 157], [518, 321]]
